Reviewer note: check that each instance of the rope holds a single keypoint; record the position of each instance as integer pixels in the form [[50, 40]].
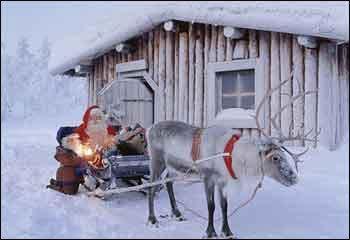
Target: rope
[[258, 186], [183, 178], [164, 181], [192, 211]]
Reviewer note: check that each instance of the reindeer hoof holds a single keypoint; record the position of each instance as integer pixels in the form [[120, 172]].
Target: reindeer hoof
[[152, 222], [227, 236], [211, 235], [178, 216]]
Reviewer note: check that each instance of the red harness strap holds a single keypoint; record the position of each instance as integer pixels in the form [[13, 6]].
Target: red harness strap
[[196, 143], [228, 149]]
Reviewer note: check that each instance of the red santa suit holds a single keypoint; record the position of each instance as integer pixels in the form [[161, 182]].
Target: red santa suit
[[94, 129]]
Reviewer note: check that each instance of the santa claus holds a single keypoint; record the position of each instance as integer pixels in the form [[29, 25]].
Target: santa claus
[[94, 130]]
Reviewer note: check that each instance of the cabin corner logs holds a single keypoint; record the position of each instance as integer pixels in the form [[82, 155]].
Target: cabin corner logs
[[177, 62]]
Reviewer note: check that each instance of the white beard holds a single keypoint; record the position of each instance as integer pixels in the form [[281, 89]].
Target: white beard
[[97, 133], [71, 143]]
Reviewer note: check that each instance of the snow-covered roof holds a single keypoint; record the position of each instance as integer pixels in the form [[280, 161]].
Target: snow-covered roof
[[322, 19]]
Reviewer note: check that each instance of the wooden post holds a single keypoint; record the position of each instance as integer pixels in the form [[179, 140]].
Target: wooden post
[[89, 89], [221, 44], [198, 106], [343, 66], [96, 80], [241, 51], [145, 48], [110, 66], [275, 80], [191, 78], [253, 44], [119, 58], [150, 54], [212, 56], [156, 55], [124, 57], [229, 49], [206, 60], [116, 58], [183, 77], [129, 57], [329, 96], [213, 46], [95, 83], [104, 68], [140, 48], [298, 86], [311, 100], [161, 74], [176, 75], [99, 78], [253, 53], [169, 103], [264, 73], [286, 89]]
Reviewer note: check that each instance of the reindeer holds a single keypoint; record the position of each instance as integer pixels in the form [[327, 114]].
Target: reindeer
[[171, 146]]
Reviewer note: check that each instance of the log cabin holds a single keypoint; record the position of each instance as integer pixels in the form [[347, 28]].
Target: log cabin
[[208, 63]]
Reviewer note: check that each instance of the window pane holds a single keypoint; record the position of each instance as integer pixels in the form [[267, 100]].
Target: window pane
[[229, 102], [246, 78], [235, 89], [229, 82], [247, 102]]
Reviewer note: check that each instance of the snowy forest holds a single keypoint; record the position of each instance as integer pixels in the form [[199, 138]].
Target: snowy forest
[[29, 92]]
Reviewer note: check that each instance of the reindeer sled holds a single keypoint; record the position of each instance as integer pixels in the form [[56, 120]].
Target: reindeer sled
[[99, 170]]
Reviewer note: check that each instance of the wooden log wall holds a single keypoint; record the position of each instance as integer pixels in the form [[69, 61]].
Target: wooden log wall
[[333, 74], [177, 61]]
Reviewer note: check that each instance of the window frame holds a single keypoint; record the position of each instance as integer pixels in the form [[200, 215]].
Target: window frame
[[238, 94], [245, 121]]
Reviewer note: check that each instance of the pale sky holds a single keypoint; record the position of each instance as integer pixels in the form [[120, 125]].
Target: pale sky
[[54, 19]]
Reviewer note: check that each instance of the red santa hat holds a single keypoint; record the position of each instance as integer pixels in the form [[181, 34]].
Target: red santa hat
[[81, 130]]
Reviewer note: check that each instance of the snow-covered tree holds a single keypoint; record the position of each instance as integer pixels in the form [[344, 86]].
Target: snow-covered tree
[[44, 53], [31, 91]]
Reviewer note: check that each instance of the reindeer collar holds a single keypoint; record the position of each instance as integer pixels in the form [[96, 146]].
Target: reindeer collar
[[228, 149], [195, 151]]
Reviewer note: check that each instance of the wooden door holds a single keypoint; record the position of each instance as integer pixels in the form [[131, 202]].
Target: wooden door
[[131, 100]]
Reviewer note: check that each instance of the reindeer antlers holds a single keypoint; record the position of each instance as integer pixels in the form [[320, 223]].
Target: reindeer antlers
[[263, 100], [282, 138]]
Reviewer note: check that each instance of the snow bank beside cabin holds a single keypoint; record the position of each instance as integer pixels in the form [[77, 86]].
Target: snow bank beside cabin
[[326, 19], [317, 207]]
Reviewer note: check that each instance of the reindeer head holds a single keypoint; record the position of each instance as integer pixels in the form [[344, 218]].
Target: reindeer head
[[272, 149], [275, 163]]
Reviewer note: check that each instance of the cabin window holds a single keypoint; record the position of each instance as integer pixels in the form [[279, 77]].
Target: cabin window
[[237, 89], [234, 92]]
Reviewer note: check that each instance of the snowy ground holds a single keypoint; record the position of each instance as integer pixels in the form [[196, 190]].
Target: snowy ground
[[317, 207]]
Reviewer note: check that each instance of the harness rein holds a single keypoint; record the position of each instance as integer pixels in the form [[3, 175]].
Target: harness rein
[[195, 150]]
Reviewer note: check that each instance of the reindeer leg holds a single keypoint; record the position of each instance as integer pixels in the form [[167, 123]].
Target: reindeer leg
[[175, 211], [157, 167], [209, 192], [225, 232]]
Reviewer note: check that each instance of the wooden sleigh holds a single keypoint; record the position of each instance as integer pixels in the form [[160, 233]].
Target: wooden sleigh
[[133, 170], [133, 167]]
